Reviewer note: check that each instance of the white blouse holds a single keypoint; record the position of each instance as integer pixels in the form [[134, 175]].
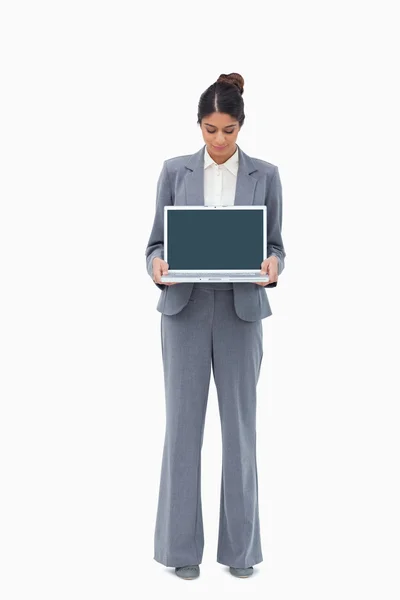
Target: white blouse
[[220, 180]]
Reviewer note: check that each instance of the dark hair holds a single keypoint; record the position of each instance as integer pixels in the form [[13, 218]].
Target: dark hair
[[224, 96]]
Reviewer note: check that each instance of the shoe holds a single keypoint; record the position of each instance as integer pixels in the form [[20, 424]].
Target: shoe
[[241, 572], [188, 572]]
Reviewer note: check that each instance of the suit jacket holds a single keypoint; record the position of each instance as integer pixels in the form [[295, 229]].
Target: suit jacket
[[181, 182]]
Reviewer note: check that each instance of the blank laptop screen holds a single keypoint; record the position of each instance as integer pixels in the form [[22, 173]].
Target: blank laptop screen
[[215, 239]]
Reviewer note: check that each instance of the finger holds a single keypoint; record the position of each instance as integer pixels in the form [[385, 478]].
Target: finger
[[157, 276], [163, 270]]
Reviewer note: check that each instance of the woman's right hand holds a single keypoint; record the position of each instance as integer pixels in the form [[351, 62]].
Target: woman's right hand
[[160, 267]]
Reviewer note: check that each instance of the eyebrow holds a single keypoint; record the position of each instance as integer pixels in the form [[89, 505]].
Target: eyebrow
[[226, 126]]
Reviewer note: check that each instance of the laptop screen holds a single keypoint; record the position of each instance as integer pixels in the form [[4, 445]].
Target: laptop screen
[[215, 238]]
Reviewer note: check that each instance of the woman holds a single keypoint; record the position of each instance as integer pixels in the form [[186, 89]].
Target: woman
[[216, 325]]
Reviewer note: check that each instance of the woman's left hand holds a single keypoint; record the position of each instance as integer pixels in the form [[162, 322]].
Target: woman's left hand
[[269, 266]]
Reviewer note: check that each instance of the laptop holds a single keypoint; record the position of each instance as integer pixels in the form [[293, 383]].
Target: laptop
[[215, 243]]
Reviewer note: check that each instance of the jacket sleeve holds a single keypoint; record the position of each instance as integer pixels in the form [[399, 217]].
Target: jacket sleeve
[[155, 245], [274, 223]]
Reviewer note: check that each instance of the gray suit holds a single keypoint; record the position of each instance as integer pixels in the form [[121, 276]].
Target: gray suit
[[218, 326], [181, 182]]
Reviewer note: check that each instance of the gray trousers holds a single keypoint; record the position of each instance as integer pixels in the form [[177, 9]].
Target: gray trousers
[[208, 333]]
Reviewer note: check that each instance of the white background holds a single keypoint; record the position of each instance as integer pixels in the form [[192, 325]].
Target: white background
[[95, 96]]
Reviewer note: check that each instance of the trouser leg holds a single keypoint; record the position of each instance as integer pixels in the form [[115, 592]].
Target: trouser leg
[[237, 351], [186, 352]]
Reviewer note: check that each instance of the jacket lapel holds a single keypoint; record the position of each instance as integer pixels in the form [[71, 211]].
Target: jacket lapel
[[194, 179]]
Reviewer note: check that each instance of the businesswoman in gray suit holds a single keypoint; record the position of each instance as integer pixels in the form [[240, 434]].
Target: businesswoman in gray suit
[[218, 326]]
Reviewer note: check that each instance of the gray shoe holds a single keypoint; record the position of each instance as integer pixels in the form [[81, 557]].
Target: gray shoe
[[241, 572], [189, 572]]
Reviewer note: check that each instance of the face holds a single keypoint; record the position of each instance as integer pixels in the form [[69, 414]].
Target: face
[[219, 133]]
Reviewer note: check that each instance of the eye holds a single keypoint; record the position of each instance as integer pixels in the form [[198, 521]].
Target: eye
[[228, 132]]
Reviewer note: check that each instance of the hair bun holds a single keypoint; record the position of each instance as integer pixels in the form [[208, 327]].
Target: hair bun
[[232, 79]]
